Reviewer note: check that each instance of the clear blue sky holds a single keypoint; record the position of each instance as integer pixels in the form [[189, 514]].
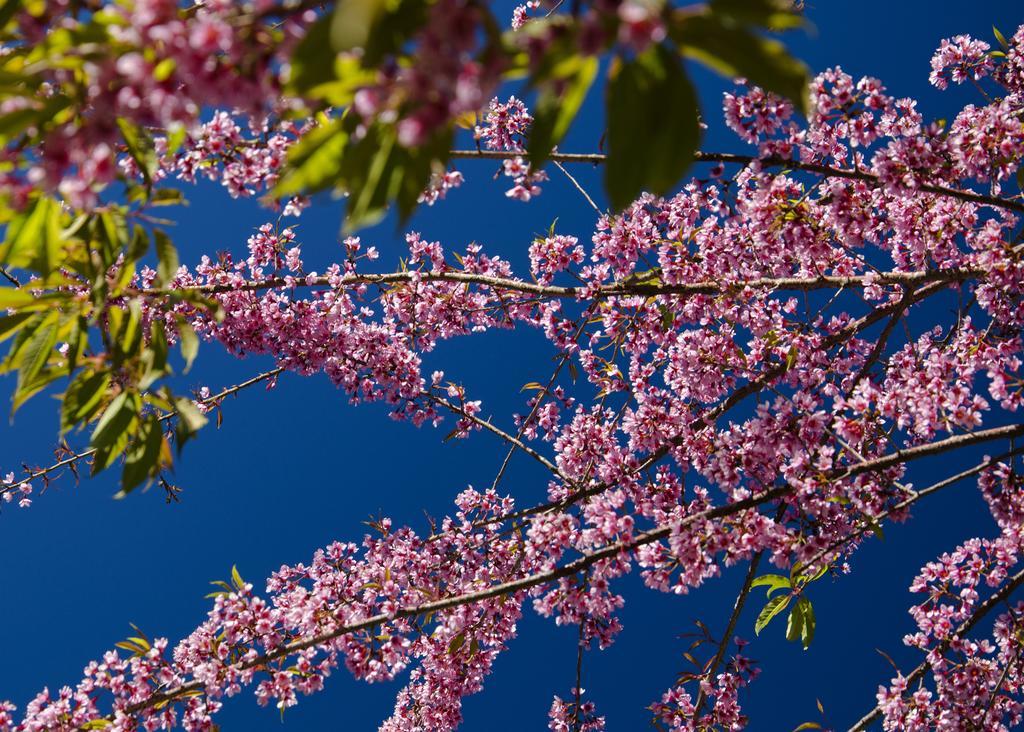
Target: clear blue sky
[[297, 467]]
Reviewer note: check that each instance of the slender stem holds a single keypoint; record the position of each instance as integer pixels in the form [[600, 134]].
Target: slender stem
[[511, 440], [730, 628], [579, 187], [9, 277]]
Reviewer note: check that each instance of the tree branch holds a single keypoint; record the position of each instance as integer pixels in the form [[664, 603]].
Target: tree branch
[[710, 287], [163, 418]]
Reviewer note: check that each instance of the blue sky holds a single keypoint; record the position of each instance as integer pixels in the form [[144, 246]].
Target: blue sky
[[297, 467]]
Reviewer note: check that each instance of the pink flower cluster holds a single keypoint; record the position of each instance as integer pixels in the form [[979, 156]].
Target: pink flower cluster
[[505, 127]]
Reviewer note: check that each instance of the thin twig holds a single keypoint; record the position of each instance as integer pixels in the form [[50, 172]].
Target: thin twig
[[579, 188], [772, 162], [513, 441]]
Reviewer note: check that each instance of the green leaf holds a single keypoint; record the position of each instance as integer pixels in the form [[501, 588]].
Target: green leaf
[[176, 135], [795, 623], [773, 582], [29, 389], [190, 420], [799, 574], [560, 99], [807, 725], [189, 343], [140, 147], [807, 632], [11, 324], [115, 422], [1001, 38], [138, 246], [82, 398], [312, 62], [34, 237], [163, 70], [129, 335], [236, 578], [875, 527], [36, 353], [456, 643], [142, 460], [14, 297], [154, 357], [167, 257], [379, 27], [369, 197], [7, 11], [771, 608], [352, 22], [734, 51], [772, 14], [314, 162], [653, 128]]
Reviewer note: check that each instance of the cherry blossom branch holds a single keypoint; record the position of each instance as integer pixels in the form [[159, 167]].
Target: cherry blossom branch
[[578, 187], [71, 459], [771, 161], [710, 287], [587, 560], [982, 610]]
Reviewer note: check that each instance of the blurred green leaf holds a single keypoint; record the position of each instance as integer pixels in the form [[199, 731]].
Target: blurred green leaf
[[190, 420], [34, 237], [314, 162], [558, 103], [312, 62], [82, 398], [737, 52], [140, 148], [142, 460], [653, 128], [771, 14], [36, 353], [189, 343], [167, 258]]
